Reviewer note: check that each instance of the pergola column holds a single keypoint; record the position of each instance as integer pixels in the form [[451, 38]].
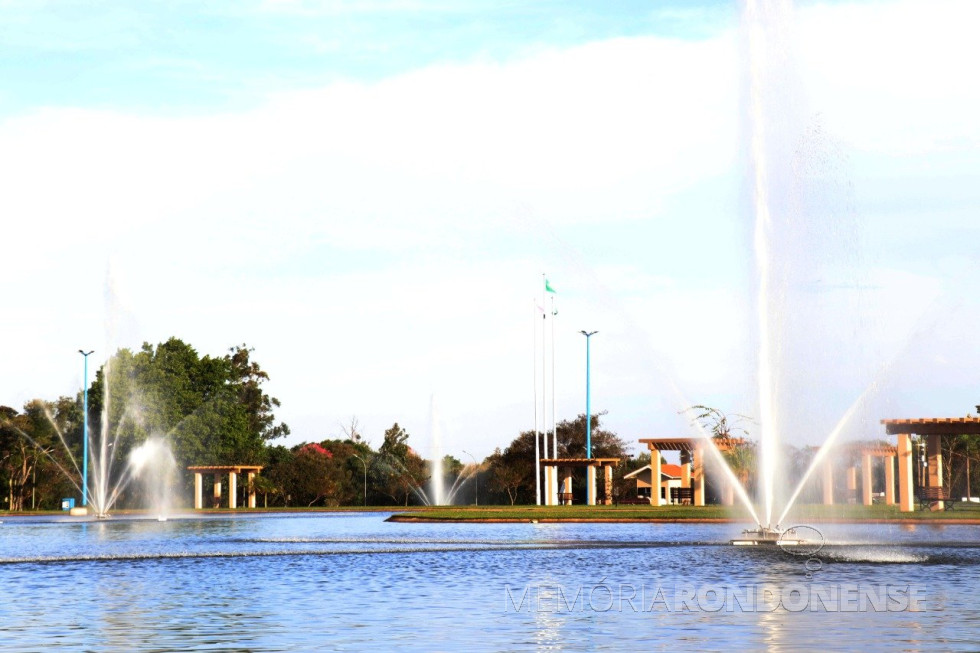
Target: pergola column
[[931, 429], [698, 479], [828, 483], [905, 498], [198, 491], [232, 490], [555, 472], [217, 472], [889, 480], [547, 485], [934, 459], [553, 485], [568, 486], [251, 489], [852, 484], [728, 494], [686, 470], [655, 478], [693, 476], [590, 484], [609, 484], [866, 494]]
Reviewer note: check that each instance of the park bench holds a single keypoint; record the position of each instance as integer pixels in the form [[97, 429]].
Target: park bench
[[682, 495], [634, 501], [927, 496]]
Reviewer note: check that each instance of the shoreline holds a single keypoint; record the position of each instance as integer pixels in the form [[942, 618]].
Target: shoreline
[[968, 521], [530, 514]]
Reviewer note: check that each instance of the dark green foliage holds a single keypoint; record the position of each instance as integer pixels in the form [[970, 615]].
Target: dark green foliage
[[209, 410], [512, 470], [397, 471], [34, 466]]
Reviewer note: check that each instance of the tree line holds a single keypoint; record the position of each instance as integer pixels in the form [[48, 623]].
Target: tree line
[[213, 410]]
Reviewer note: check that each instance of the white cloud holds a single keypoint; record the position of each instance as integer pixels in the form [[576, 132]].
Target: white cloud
[[381, 242], [894, 77]]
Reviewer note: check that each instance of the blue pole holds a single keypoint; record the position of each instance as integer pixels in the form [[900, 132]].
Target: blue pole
[[588, 397], [85, 431], [588, 405]]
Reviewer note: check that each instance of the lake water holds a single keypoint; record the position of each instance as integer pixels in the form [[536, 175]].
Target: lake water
[[354, 581]]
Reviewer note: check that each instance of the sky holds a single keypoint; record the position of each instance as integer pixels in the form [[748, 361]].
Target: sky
[[370, 194]]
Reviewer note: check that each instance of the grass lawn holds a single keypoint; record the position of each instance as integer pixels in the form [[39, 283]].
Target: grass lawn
[[800, 514]]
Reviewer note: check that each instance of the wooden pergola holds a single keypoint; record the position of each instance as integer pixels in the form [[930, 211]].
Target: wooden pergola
[[692, 464], [867, 451], [217, 470], [590, 465], [931, 428]]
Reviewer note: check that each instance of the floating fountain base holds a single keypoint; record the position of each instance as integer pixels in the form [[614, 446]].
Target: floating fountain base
[[764, 536]]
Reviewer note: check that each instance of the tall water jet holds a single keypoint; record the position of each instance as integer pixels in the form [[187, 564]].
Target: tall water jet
[[153, 464], [798, 230], [771, 130], [436, 484]]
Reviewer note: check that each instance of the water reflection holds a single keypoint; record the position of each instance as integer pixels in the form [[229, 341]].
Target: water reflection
[[352, 582]]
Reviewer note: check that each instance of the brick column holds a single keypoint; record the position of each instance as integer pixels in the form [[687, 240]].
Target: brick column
[[590, 484], [198, 491], [828, 483], [552, 476], [866, 477], [935, 460], [655, 478], [906, 500], [609, 484], [686, 469], [728, 494], [232, 490], [889, 480], [698, 475]]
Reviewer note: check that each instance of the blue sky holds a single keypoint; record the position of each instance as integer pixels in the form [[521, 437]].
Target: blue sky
[[368, 194], [184, 56]]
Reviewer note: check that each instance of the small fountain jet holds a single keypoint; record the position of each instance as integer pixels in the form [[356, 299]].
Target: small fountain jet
[[767, 536]]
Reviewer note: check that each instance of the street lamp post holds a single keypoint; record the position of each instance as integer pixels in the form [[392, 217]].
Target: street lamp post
[[476, 499], [85, 430], [588, 405], [588, 393], [365, 476]]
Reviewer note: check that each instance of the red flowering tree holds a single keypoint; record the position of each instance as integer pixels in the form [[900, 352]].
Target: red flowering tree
[[316, 476]]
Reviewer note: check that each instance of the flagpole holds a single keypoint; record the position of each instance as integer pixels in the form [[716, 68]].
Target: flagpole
[[554, 411], [544, 384], [544, 379], [537, 435]]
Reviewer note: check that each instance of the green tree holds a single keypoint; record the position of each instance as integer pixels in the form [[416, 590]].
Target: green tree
[[247, 378], [317, 478], [209, 410], [512, 470], [740, 454], [397, 469], [33, 460], [276, 478], [506, 475]]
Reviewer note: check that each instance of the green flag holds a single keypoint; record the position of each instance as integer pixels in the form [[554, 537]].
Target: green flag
[[547, 286]]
